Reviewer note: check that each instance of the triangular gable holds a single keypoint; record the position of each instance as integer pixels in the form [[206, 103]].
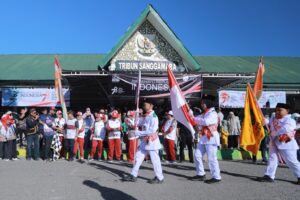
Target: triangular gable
[[150, 15]]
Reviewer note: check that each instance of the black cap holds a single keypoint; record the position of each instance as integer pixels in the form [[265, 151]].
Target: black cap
[[148, 100], [209, 100], [283, 105], [32, 110]]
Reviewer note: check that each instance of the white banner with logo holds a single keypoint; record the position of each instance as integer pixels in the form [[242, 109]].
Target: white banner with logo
[[32, 97], [236, 99]]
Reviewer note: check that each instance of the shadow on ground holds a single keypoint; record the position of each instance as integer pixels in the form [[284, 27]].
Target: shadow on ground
[[108, 193]]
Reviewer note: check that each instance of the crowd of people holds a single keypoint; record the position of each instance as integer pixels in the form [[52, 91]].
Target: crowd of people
[[47, 135], [84, 136]]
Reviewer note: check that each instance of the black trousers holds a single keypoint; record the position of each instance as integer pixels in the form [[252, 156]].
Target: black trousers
[[48, 152], [186, 140], [10, 149], [233, 141], [1, 150], [20, 135], [69, 147]]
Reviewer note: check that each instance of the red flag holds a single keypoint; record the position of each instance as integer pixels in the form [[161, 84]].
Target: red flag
[[179, 106], [58, 86], [258, 84]]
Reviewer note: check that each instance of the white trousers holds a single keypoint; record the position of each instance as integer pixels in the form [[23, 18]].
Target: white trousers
[[290, 158], [211, 150], [139, 158]]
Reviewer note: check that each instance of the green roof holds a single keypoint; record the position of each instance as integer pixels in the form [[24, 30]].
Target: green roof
[[162, 27], [279, 70], [41, 66]]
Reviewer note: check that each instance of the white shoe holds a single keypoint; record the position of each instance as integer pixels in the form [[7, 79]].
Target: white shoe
[[91, 159], [15, 159], [6, 159]]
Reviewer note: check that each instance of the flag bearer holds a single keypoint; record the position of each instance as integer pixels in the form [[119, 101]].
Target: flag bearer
[[208, 142], [148, 134], [282, 142]]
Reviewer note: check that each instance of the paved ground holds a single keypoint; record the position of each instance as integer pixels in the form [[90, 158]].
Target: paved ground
[[36, 180]]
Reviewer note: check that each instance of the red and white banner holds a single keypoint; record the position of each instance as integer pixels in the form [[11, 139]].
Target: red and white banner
[[179, 106]]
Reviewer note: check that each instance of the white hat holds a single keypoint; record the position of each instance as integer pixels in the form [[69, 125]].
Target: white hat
[[170, 112]]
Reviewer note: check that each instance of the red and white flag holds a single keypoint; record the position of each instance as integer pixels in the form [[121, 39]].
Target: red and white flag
[[58, 86], [179, 106]]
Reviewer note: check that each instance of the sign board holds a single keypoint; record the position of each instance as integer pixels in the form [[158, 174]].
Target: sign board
[[236, 99], [154, 86], [32, 97], [149, 66]]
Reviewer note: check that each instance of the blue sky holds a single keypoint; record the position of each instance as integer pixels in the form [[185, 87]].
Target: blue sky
[[210, 27]]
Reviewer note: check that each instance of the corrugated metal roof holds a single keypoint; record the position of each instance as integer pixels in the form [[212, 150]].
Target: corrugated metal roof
[[41, 67], [279, 70]]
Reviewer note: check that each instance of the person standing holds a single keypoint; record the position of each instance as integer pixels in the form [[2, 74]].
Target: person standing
[[185, 139], [169, 130], [113, 128], [48, 133], [21, 126], [98, 136], [9, 131], [70, 135], [32, 125], [149, 144], [79, 140], [2, 138], [208, 142], [132, 139], [282, 141], [59, 127], [89, 120], [234, 130]]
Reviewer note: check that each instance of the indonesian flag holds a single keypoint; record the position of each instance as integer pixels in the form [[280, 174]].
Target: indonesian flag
[[58, 86], [179, 106]]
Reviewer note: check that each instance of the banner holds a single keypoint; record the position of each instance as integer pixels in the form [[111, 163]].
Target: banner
[[154, 86], [236, 99], [32, 97]]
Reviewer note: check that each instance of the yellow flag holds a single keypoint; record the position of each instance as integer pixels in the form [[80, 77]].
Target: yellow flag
[[252, 130]]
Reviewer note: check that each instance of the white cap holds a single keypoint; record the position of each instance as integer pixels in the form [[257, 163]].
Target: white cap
[[170, 112]]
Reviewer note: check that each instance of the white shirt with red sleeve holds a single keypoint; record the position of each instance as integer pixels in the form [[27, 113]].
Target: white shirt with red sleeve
[[113, 124], [169, 128], [71, 128], [81, 125], [99, 130]]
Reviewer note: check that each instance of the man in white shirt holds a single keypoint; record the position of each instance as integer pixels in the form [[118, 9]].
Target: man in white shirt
[[282, 141], [148, 135], [169, 130], [70, 135]]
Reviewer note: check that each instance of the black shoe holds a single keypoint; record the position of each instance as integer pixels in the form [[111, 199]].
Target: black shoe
[[198, 178], [213, 180], [129, 178], [155, 181], [298, 182], [265, 178]]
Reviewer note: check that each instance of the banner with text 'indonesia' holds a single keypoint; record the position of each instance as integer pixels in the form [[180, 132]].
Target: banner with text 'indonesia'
[[154, 86]]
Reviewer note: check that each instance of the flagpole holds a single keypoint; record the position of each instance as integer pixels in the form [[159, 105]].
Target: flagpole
[[137, 96]]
